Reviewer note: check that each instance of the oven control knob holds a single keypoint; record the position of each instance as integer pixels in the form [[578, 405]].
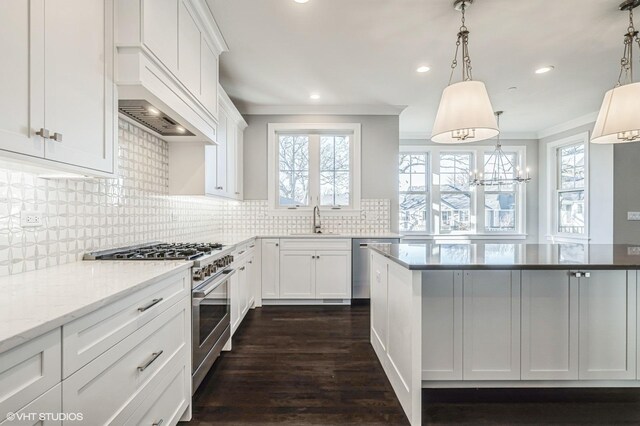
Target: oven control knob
[[197, 275]]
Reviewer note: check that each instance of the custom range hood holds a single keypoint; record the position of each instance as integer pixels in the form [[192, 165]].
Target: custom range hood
[[167, 68]]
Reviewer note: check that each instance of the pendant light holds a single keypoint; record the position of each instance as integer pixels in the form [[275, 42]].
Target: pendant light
[[619, 117], [465, 113], [503, 170]]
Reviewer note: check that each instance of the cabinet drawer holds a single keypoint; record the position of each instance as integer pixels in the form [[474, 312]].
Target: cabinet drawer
[[316, 244], [50, 402], [129, 366], [93, 334], [166, 400], [29, 370]]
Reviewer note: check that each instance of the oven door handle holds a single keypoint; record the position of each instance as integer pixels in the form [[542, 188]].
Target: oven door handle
[[206, 288]]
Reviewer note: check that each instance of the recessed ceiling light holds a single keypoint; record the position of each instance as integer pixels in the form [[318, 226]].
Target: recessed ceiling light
[[301, 1], [423, 69], [545, 70], [314, 96], [180, 129], [512, 89]]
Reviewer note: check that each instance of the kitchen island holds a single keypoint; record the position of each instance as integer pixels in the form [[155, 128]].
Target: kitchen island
[[504, 315]]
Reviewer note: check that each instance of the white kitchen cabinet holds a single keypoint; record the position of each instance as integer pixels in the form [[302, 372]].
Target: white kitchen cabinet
[[219, 184], [379, 277], [491, 329], [239, 166], [242, 284], [297, 274], [270, 268], [549, 325], [160, 30], [608, 325], [209, 69], [49, 402], [333, 275], [251, 278], [75, 111], [234, 294], [189, 49], [22, 83], [442, 325]]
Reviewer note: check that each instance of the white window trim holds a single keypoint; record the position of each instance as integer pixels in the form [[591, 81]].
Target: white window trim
[[477, 151], [428, 177], [355, 129], [552, 188]]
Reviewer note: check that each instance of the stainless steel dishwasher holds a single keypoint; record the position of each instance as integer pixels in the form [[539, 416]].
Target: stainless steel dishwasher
[[360, 265]]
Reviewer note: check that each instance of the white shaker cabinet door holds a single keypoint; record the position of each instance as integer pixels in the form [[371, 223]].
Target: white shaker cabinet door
[[270, 269], [297, 274], [549, 325], [608, 325], [333, 275], [160, 31], [442, 325], [79, 91], [22, 76], [491, 325], [379, 276], [189, 39]]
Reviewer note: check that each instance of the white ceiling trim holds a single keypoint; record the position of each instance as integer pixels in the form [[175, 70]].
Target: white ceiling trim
[[323, 110], [503, 135], [569, 125]]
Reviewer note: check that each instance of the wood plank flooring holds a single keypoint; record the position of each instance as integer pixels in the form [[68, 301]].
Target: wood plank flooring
[[315, 366]]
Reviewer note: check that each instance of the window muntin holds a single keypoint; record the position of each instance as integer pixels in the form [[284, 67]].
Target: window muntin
[[455, 192], [414, 195], [335, 174], [293, 153], [570, 190]]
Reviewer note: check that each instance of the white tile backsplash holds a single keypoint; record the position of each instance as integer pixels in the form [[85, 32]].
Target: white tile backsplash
[[86, 215]]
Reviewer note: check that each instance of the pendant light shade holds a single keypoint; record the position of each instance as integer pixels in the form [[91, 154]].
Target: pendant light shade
[[619, 118], [465, 114]]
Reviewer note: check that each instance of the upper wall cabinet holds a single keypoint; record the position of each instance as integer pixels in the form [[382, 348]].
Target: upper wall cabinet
[[69, 122], [168, 54], [201, 169]]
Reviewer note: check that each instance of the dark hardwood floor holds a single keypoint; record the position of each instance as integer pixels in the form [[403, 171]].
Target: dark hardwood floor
[[315, 366]]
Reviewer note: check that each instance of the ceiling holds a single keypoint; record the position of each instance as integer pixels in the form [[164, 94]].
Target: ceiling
[[363, 55]]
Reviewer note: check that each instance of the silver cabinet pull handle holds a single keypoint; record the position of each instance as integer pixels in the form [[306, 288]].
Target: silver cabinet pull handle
[[153, 303], [158, 423], [240, 252], [242, 269], [237, 193], [56, 137], [146, 365], [250, 262], [219, 188], [252, 246], [43, 132]]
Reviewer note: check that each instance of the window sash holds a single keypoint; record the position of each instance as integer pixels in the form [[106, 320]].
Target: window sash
[[314, 193], [404, 221]]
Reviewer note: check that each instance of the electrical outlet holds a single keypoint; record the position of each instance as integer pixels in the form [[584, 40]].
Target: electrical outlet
[[633, 251], [31, 219], [633, 215]]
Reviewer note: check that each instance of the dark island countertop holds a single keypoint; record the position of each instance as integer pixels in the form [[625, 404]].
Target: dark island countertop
[[432, 256]]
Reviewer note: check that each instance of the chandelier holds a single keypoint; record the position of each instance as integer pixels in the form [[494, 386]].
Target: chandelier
[[499, 168], [465, 113], [619, 117]]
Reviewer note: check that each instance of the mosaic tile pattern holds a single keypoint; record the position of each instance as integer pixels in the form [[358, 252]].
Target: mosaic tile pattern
[[86, 215]]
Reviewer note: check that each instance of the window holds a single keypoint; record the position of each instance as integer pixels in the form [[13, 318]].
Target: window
[[314, 164], [500, 200], [437, 196], [455, 192], [571, 190], [414, 194]]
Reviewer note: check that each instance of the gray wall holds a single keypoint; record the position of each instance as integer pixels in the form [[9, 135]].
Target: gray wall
[[380, 147], [601, 189], [532, 187], [626, 192]]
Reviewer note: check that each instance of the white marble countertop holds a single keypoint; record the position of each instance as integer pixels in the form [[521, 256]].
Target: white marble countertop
[[233, 239], [33, 303]]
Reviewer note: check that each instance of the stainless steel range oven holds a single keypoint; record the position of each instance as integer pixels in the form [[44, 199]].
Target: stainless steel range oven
[[211, 322]]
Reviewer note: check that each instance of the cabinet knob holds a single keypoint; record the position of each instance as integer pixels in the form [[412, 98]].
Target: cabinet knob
[[56, 137], [43, 132]]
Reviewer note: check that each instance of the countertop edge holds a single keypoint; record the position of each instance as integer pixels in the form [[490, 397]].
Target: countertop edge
[[45, 327]]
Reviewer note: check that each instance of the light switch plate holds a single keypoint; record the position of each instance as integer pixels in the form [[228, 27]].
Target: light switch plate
[[31, 219], [633, 215], [633, 251]]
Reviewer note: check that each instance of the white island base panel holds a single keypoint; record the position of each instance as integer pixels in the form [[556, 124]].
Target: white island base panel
[[396, 300], [509, 328]]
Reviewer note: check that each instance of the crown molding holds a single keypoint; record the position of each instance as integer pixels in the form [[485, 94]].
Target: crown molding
[[568, 125], [323, 109], [504, 135]]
